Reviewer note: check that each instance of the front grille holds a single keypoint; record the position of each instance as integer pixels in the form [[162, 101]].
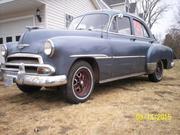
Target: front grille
[[29, 60], [27, 68], [23, 60]]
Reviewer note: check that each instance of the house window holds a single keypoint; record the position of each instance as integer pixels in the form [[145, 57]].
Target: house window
[[69, 19], [1, 40], [8, 39], [17, 38]]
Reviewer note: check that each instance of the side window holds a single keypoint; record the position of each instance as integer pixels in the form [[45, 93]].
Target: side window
[[114, 25], [145, 32], [121, 25], [140, 29], [124, 26], [75, 23]]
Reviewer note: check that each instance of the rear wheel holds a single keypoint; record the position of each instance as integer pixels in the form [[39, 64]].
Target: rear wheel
[[80, 82], [28, 89], [158, 73]]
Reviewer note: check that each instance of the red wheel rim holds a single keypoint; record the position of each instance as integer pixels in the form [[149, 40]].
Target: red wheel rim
[[82, 82]]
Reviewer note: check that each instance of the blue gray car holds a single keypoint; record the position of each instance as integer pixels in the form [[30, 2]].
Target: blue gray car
[[98, 47]]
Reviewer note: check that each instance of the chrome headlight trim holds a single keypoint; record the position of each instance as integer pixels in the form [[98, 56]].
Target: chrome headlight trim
[[49, 48], [3, 50]]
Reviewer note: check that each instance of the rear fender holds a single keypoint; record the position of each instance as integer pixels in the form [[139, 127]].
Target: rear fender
[[158, 52]]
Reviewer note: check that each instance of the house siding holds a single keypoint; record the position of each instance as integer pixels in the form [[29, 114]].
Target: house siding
[[56, 10], [120, 7], [9, 17]]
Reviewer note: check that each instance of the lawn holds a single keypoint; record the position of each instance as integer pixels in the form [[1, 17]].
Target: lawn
[[112, 109]]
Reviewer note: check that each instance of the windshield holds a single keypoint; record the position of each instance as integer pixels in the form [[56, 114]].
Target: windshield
[[90, 22]]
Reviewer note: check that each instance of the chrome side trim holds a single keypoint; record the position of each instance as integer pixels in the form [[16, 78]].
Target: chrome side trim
[[27, 55], [151, 67], [124, 57], [96, 56], [107, 57], [103, 56], [89, 55], [121, 77]]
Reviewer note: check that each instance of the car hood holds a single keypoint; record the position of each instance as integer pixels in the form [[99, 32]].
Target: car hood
[[41, 35], [33, 40]]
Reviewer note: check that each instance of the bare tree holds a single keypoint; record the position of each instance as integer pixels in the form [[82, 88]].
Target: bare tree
[[172, 40], [178, 16], [152, 10]]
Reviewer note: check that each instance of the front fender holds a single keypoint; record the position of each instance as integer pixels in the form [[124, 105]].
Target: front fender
[[68, 46]]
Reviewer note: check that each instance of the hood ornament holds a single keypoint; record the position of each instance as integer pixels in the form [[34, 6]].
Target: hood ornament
[[21, 46]]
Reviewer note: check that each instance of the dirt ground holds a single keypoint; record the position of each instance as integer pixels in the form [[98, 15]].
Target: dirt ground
[[112, 109]]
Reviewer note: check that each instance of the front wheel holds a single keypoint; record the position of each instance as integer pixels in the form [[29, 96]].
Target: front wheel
[[158, 73], [80, 82]]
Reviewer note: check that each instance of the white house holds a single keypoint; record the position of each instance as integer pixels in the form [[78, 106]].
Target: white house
[[123, 5], [15, 15]]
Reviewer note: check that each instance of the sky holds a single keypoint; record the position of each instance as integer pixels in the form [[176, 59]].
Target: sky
[[167, 19]]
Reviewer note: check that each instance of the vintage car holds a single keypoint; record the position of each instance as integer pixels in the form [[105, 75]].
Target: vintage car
[[98, 47]]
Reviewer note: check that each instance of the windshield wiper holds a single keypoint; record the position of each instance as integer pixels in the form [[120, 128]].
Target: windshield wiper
[[80, 29], [85, 29]]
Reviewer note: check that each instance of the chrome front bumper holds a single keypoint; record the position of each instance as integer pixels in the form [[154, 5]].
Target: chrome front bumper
[[22, 78]]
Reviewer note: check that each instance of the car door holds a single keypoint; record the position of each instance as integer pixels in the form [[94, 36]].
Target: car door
[[143, 39], [128, 58]]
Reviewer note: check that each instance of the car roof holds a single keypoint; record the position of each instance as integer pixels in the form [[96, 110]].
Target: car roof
[[112, 12]]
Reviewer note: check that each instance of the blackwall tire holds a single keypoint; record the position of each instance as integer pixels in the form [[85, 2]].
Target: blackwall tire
[[80, 83], [158, 73]]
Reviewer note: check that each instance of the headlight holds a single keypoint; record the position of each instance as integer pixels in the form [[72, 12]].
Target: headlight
[[49, 48], [3, 50]]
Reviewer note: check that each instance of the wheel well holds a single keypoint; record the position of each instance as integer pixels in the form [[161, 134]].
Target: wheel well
[[94, 66], [165, 63]]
